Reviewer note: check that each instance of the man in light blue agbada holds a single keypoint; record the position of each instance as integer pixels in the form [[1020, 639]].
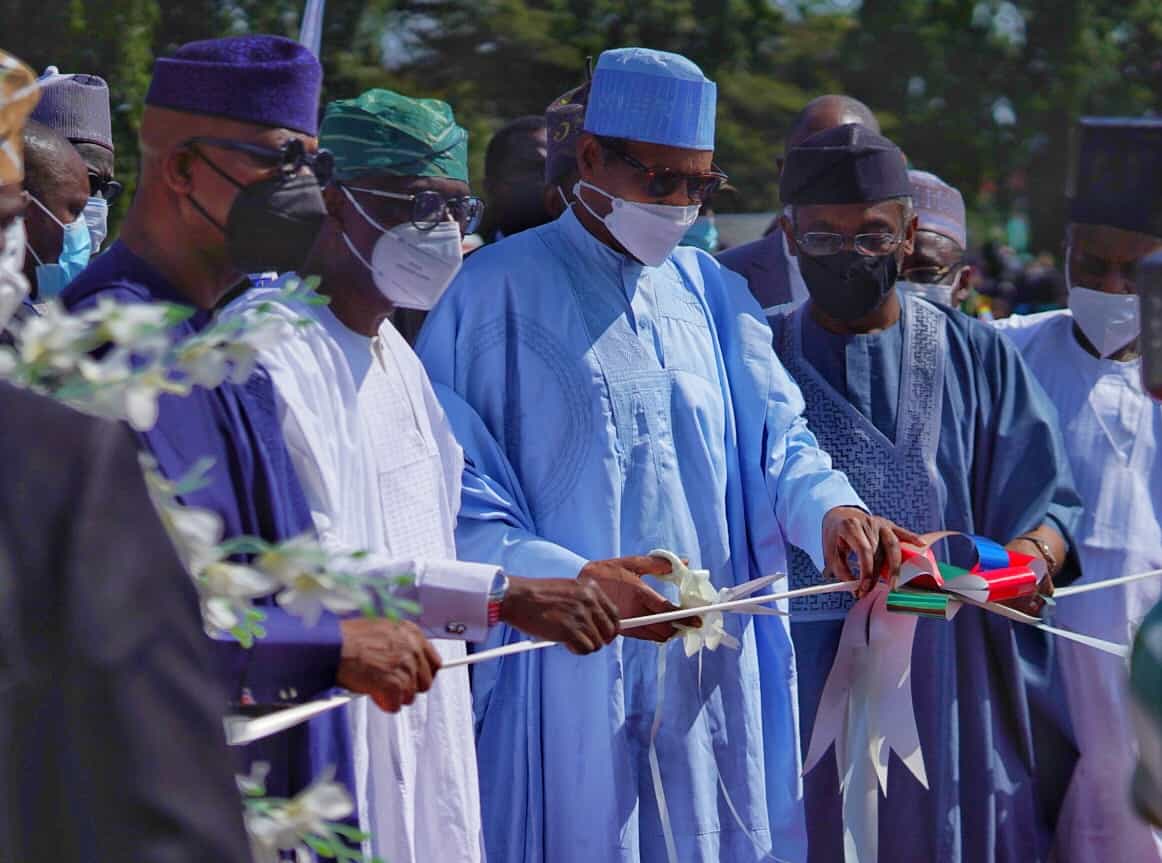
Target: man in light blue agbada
[[626, 398]]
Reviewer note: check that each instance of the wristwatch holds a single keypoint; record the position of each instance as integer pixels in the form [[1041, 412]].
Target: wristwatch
[[496, 594], [1046, 552]]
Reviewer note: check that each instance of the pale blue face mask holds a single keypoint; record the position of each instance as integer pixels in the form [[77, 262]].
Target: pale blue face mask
[[703, 234], [76, 246]]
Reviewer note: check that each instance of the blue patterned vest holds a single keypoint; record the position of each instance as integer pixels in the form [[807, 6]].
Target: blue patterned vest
[[897, 480]]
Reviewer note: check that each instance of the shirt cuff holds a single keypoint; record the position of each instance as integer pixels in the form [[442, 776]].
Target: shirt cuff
[[453, 598]]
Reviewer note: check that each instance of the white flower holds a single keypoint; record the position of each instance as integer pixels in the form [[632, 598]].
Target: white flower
[[695, 590], [140, 328], [203, 363], [54, 339], [283, 825], [312, 583]]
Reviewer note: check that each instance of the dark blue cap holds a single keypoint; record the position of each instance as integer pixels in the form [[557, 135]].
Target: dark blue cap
[[1117, 176], [265, 80], [844, 165]]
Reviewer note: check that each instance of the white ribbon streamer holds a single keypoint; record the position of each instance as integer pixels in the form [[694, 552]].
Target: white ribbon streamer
[[866, 711], [1075, 589]]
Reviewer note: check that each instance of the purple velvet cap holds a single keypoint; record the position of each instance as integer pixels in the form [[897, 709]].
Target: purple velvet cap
[[266, 80], [77, 106]]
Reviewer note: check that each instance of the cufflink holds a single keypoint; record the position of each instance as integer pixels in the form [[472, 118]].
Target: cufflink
[[455, 628]]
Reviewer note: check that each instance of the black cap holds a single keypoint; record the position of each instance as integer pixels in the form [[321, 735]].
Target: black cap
[[844, 165], [1117, 174]]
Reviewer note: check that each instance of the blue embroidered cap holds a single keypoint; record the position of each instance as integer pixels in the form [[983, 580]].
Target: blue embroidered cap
[[654, 96], [266, 80]]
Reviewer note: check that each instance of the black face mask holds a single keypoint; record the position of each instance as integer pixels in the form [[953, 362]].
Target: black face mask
[[847, 285], [273, 223]]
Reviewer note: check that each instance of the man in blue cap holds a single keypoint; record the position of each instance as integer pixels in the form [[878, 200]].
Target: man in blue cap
[[1088, 358], [227, 188], [628, 400], [938, 423]]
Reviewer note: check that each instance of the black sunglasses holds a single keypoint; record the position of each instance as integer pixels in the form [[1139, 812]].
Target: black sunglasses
[[662, 182], [103, 187], [290, 158]]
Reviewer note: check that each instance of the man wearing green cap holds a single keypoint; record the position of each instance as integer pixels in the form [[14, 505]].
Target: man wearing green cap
[[381, 468]]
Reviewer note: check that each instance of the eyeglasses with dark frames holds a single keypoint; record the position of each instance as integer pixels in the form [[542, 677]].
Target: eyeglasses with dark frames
[[290, 158], [662, 182], [874, 244], [430, 208]]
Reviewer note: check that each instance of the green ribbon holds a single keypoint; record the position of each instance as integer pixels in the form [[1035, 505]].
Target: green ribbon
[[926, 603]]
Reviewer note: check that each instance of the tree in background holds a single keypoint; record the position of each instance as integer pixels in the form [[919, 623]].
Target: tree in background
[[983, 93]]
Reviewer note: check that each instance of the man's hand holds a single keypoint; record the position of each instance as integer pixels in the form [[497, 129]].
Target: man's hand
[[573, 611], [873, 540], [389, 660], [620, 580], [1034, 604]]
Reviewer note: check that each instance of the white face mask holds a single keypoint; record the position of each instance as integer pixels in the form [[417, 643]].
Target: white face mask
[[97, 218], [412, 268], [13, 285], [941, 294], [649, 232], [1109, 321]]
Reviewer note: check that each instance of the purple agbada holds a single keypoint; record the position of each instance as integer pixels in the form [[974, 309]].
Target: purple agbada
[[253, 488]]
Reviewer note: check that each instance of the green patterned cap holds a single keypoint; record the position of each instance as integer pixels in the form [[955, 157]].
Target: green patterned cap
[[384, 131]]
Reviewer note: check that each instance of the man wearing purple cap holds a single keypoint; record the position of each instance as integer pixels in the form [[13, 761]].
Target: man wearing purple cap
[[935, 269], [226, 188], [77, 106], [627, 399]]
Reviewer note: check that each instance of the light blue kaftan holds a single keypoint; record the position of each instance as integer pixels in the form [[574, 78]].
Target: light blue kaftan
[[940, 425], [617, 408]]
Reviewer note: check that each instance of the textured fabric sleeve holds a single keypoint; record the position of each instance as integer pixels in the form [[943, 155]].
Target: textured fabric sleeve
[[292, 662]]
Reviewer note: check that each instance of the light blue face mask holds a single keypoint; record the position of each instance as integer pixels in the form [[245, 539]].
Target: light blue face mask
[[76, 245], [703, 234], [97, 220]]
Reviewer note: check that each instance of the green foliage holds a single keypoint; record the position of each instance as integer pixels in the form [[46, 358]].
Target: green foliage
[[939, 73]]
